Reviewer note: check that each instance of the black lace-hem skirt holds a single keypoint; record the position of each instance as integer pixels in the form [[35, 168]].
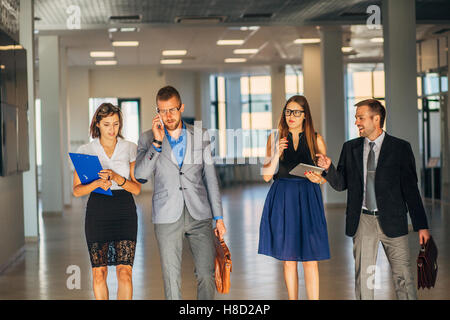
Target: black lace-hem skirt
[[111, 228]]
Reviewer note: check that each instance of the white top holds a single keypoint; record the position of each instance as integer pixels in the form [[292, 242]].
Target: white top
[[376, 149], [124, 153]]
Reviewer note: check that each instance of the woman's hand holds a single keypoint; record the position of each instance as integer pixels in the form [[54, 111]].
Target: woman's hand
[[103, 183], [314, 177], [108, 174], [282, 144]]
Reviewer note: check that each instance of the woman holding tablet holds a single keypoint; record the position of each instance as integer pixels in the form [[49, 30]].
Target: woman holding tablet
[[111, 221], [293, 226]]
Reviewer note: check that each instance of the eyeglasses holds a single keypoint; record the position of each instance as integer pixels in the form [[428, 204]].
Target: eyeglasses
[[297, 113], [164, 111]]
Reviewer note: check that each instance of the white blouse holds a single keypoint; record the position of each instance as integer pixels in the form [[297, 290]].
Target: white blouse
[[124, 153]]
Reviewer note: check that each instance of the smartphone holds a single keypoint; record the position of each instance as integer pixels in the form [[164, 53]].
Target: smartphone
[[160, 120]]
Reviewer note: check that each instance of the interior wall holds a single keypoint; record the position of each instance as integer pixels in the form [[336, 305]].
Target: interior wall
[[12, 235]]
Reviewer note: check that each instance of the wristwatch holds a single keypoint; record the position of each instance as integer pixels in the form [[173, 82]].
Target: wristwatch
[[157, 141]]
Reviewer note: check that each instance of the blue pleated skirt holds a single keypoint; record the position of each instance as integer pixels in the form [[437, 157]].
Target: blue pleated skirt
[[293, 225]]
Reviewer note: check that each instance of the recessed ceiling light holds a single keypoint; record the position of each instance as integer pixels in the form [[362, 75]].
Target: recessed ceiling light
[[230, 42], [252, 28], [377, 40], [106, 62], [235, 60], [11, 47], [305, 41], [130, 29], [245, 51], [171, 61], [125, 43], [102, 54], [174, 52], [347, 49], [113, 30]]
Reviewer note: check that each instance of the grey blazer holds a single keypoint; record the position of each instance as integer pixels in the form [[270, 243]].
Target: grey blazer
[[194, 184]]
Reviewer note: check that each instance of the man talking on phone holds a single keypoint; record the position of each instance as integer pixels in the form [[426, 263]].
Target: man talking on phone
[[186, 197]]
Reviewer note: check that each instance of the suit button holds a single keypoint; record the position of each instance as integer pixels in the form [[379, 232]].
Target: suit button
[[181, 173]]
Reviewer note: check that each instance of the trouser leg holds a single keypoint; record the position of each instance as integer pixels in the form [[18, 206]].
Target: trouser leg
[[200, 236], [365, 249], [170, 242], [397, 252]]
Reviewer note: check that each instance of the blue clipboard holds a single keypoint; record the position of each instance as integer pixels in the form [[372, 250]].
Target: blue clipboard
[[87, 168]]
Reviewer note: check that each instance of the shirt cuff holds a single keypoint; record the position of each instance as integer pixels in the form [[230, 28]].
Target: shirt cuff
[[218, 218], [157, 149]]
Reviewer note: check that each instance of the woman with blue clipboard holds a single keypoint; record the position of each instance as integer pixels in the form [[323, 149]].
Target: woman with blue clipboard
[[111, 219]]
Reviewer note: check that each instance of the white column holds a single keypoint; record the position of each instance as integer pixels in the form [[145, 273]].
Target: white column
[[323, 80], [78, 106], [49, 92], [399, 31], [30, 204], [312, 79], [204, 99], [234, 114], [333, 100], [65, 128], [278, 90]]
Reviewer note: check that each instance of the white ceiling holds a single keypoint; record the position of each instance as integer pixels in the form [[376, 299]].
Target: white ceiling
[[158, 31]]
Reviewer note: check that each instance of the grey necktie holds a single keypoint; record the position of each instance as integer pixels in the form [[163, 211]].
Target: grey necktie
[[371, 202]]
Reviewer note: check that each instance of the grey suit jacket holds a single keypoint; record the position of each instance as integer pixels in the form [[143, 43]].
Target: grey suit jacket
[[194, 184]]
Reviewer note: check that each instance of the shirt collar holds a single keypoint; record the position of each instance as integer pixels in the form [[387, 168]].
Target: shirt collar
[[378, 141], [181, 137]]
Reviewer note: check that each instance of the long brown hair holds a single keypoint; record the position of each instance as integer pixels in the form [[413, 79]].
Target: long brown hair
[[103, 111], [308, 127]]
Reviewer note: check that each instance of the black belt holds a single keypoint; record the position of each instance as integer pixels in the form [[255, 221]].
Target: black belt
[[372, 213]]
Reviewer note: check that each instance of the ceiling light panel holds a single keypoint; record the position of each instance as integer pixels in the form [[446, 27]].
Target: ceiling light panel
[[174, 52], [230, 42], [125, 43]]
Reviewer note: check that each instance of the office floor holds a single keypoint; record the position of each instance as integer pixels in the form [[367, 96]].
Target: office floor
[[46, 268]]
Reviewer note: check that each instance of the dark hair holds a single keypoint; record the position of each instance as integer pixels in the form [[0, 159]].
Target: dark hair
[[376, 107], [308, 126], [103, 111], [167, 92]]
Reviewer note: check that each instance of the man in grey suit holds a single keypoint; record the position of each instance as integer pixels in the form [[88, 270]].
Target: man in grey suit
[[186, 194]]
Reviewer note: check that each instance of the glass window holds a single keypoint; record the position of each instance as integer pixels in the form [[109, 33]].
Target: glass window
[[131, 123], [444, 83], [293, 81], [363, 81], [256, 117], [431, 83], [38, 133]]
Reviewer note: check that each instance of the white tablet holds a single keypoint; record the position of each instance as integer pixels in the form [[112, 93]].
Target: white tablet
[[300, 169]]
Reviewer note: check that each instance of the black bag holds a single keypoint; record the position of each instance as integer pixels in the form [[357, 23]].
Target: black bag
[[427, 267]]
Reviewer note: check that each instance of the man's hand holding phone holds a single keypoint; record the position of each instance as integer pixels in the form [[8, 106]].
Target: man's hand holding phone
[[158, 129]]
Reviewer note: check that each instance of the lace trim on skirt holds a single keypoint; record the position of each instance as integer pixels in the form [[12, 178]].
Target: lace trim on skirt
[[112, 253]]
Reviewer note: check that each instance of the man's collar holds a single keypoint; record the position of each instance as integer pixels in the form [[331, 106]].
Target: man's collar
[[378, 140], [183, 131]]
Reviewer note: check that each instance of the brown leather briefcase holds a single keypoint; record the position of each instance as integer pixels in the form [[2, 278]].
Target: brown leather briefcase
[[427, 267], [223, 266]]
